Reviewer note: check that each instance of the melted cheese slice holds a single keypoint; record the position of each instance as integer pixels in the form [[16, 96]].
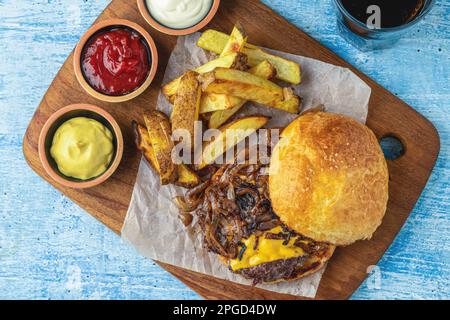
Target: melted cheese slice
[[267, 250]]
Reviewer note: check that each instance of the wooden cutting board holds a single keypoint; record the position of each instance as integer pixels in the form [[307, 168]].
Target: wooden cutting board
[[388, 116]]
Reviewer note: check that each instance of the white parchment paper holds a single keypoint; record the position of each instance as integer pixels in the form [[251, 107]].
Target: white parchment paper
[[152, 225]]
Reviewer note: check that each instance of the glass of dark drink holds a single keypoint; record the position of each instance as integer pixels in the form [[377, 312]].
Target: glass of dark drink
[[377, 24]]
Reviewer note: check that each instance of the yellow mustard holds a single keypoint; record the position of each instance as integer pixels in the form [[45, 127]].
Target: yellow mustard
[[82, 148], [267, 250]]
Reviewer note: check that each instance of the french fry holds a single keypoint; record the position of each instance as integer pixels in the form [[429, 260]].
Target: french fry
[[287, 70], [264, 70], [142, 141], [187, 104], [158, 127], [219, 102], [215, 41], [235, 60], [218, 118], [250, 87], [186, 177], [236, 41], [230, 135], [291, 102], [215, 102]]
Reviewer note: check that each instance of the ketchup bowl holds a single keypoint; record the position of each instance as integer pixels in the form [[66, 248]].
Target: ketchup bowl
[[115, 60], [174, 31]]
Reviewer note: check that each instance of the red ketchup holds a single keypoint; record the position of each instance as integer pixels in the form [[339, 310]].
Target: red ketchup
[[116, 62]]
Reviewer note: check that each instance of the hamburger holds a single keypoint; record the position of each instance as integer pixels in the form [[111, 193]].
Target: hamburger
[[326, 186]]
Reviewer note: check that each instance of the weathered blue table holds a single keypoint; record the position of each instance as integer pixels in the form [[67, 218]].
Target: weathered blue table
[[51, 249]]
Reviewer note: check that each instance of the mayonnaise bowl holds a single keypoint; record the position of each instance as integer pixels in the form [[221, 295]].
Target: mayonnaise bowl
[[178, 17]]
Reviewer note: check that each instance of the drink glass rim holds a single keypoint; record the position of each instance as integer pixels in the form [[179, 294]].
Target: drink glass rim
[[425, 10]]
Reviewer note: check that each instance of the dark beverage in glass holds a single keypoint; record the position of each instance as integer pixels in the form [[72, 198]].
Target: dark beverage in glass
[[394, 13], [375, 24]]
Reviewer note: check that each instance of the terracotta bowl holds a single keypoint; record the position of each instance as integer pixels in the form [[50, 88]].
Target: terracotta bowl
[[110, 24], [177, 32], [56, 120]]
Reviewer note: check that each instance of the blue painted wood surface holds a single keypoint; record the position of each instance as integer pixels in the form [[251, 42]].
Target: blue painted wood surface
[[51, 249]]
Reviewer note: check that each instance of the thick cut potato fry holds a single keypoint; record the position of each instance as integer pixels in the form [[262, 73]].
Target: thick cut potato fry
[[236, 41], [291, 101], [215, 41], [142, 141], [249, 87], [287, 70], [230, 136], [187, 104], [264, 70], [215, 102], [233, 60], [186, 177], [158, 127], [218, 118], [218, 102]]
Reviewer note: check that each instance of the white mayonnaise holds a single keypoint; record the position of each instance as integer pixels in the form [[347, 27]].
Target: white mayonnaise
[[179, 14]]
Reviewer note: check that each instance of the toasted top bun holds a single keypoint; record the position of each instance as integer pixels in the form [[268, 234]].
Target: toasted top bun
[[329, 179]]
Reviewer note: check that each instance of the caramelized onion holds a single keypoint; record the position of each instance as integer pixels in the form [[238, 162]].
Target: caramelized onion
[[231, 206], [267, 225], [182, 205], [186, 218]]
